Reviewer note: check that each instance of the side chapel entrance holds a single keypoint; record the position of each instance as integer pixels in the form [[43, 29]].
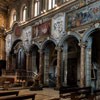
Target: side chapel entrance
[[71, 62]]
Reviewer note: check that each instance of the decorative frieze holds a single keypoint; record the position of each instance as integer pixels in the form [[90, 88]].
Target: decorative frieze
[[84, 15]]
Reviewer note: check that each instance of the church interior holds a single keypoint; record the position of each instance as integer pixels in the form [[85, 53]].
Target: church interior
[[52, 45]]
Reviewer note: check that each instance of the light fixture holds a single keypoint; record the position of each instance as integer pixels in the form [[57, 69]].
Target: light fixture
[[44, 10], [41, 12], [55, 5]]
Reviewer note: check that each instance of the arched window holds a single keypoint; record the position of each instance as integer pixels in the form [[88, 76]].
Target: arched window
[[36, 7], [24, 13], [51, 4], [13, 17]]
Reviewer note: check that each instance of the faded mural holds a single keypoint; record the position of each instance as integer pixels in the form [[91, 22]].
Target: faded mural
[[83, 16], [42, 29], [84, 2], [58, 26], [27, 37], [8, 43]]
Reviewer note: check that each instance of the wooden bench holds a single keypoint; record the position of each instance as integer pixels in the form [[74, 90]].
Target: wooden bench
[[94, 94], [7, 93], [68, 92], [19, 97], [81, 94]]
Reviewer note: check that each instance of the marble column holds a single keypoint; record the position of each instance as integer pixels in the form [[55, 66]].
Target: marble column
[[82, 65], [40, 66], [58, 76]]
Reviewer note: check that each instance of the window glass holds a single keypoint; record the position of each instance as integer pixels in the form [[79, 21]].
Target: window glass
[[24, 13], [14, 17], [53, 3], [37, 8], [49, 4]]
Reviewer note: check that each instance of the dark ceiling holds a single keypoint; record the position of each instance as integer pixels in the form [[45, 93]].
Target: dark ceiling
[[5, 3]]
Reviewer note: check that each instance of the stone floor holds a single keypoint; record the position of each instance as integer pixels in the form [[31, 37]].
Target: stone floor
[[44, 94]]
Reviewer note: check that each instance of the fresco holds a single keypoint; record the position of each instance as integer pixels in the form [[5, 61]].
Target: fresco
[[83, 16], [8, 43], [42, 29], [84, 2], [27, 37], [58, 26]]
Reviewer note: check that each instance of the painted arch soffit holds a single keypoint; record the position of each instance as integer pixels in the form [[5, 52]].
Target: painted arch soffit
[[67, 35], [88, 32], [48, 39]]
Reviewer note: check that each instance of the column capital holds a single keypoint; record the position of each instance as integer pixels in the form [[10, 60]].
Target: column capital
[[58, 48], [40, 51], [82, 44], [27, 53]]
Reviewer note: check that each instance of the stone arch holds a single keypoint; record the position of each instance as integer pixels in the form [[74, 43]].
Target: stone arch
[[68, 35], [70, 59], [91, 39], [16, 42], [35, 44], [48, 40], [89, 32], [49, 54], [17, 55], [34, 58]]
